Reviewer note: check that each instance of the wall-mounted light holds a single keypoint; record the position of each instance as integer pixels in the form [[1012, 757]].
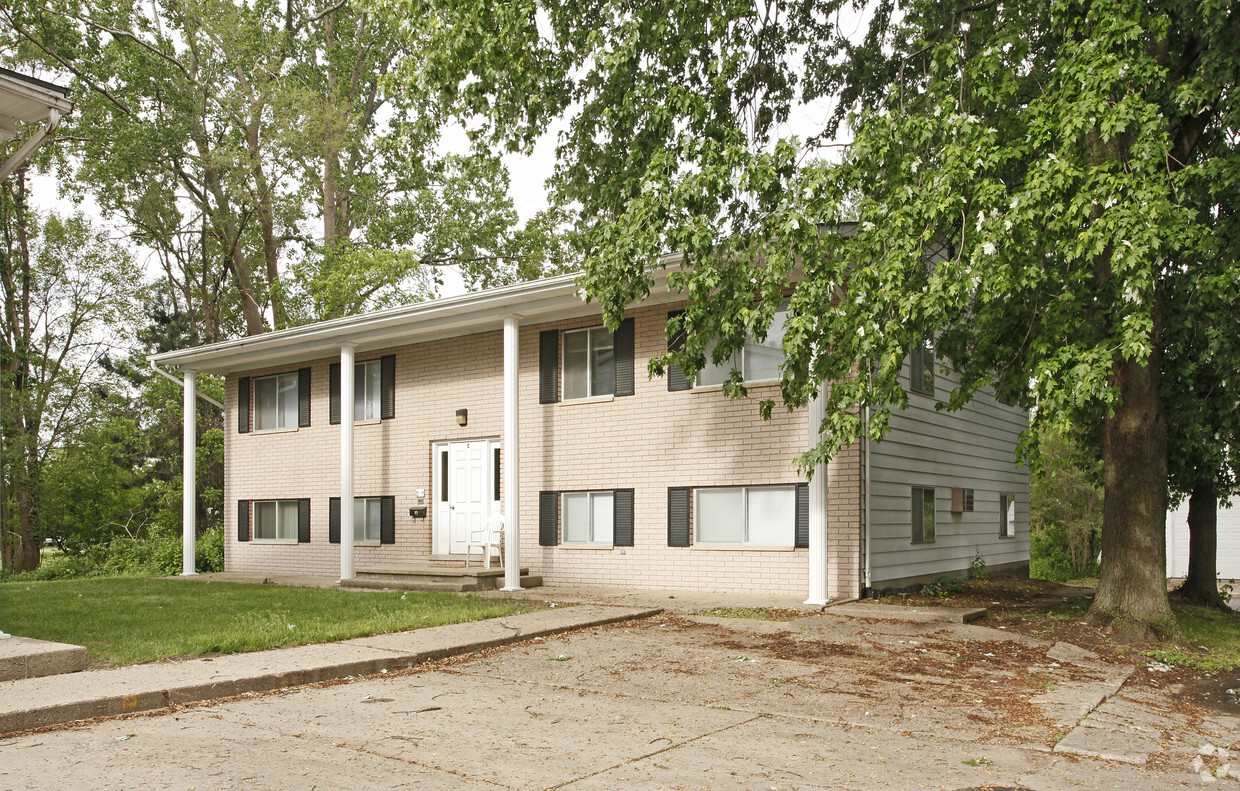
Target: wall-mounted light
[[462, 417]]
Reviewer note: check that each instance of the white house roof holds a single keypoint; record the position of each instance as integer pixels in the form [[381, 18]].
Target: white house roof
[[536, 301], [25, 101]]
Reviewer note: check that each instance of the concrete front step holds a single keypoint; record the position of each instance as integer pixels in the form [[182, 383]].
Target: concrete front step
[[435, 578]]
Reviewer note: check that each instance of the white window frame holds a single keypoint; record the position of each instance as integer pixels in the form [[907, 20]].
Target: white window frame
[[360, 525], [591, 528], [746, 530], [740, 358], [1007, 515], [367, 404], [281, 507], [591, 385], [275, 380]]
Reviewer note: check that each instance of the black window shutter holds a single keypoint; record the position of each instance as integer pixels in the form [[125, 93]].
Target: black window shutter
[[387, 520], [303, 397], [548, 519], [387, 387], [801, 539], [243, 405], [622, 517], [303, 520], [548, 366], [243, 520], [333, 520], [676, 379], [678, 516], [623, 340], [333, 386]]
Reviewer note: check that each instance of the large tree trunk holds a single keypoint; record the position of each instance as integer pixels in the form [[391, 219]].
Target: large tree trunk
[[1132, 586], [1201, 586]]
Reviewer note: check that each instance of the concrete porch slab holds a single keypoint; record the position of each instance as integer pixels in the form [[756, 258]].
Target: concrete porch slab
[[894, 612], [26, 657]]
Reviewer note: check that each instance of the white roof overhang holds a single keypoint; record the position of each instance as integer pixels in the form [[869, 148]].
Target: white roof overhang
[[24, 101], [534, 302]]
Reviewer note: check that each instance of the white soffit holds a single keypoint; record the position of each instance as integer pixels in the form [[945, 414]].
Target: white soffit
[[536, 302], [26, 100]]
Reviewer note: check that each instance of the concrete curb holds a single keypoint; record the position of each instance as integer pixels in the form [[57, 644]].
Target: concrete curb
[[53, 700]]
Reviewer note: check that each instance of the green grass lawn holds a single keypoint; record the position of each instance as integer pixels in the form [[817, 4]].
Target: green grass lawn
[[124, 620]]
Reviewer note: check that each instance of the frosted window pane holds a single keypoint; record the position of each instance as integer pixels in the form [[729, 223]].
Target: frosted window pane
[[265, 413], [601, 506], [715, 374], [264, 520], [576, 364], [720, 516], [771, 512], [602, 363], [576, 518], [288, 519], [366, 387], [762, 359]]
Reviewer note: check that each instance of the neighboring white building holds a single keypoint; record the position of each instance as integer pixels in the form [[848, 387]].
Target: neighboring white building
[[1228, 541]]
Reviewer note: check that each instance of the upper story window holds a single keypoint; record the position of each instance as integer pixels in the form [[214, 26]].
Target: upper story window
[[757, 362], [366, 389], [278, 401], [921, 365], [275, 402], [374, 390], [595, 362], [923, 515], [589, 363]]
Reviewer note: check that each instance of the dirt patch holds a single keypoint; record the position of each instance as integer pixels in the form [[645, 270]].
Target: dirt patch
[[1220, 693]]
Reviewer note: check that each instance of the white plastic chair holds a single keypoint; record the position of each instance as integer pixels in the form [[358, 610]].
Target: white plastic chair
[[490, 535]]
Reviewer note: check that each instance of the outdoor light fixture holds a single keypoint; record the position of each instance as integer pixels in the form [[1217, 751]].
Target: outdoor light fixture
[[462, 417]]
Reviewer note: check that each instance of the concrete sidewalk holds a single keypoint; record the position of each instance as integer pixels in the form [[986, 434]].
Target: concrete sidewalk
[[51, 700]]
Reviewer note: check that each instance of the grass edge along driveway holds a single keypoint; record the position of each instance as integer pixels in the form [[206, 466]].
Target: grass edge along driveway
[[126, 620]]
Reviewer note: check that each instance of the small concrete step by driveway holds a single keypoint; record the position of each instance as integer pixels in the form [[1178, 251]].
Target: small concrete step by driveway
[[435, 577], [51, 700], [25, 657], [896, 612]]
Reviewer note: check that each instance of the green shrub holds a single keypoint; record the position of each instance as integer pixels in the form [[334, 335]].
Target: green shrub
[[1050, 556], [60, 566], [210, 550]]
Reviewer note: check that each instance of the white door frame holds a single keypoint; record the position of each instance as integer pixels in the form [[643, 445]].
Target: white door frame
[[441, 526]]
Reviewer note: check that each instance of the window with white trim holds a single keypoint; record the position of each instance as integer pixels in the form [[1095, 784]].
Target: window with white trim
[[745, 515], [589, 517], [757, 361], [367, 386], [366, 518], [275, 520], [589, 363], [1007, 515], [276, 401], [923, 515]]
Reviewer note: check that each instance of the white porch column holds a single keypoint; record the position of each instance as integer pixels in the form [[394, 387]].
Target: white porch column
[[818, 492], [511, 465], [189, 474], [346, 461]]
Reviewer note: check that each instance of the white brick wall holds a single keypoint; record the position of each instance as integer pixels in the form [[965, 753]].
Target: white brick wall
[[648, 441]]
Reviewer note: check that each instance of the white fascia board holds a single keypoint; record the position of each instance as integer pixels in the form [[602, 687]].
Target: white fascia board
[[30, 103], [484, 311]]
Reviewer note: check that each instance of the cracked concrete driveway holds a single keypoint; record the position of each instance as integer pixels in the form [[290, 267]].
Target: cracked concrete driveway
[[670, 702]]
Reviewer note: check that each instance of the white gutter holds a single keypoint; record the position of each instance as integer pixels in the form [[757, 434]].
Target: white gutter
[[28, 148], [155, 367]]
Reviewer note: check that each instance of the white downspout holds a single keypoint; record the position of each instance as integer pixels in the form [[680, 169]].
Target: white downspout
[[818, 500], [28, 148], [189, 475], [511, 465], [865, 525], [346, 461]]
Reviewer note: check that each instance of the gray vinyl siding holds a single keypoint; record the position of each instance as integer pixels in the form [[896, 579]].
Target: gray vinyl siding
[[974, 449]]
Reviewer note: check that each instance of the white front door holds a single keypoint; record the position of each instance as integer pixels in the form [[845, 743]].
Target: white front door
[[464, 492]]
